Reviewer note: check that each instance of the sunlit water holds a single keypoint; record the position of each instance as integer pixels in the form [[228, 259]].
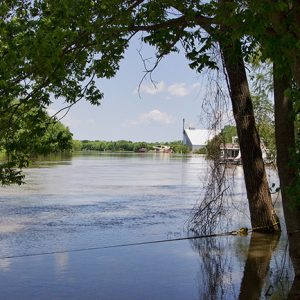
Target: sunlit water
[[85, 202]]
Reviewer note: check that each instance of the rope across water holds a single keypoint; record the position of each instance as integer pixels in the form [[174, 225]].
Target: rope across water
[[242, 231]]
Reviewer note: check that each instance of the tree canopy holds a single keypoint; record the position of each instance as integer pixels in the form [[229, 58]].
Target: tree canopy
[[26, 134], [59, 47], [115, 146]]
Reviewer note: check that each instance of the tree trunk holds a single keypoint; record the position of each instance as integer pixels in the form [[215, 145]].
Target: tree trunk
[[263, 217], [285, 144], [256, 269]]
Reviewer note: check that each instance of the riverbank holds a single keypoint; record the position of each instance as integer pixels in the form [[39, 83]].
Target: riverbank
[[129, 146]]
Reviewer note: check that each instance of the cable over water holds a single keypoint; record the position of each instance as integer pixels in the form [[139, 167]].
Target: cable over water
[[120, 245], [242, 231]]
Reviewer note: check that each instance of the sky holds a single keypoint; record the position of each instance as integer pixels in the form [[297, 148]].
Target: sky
[[151, 113]]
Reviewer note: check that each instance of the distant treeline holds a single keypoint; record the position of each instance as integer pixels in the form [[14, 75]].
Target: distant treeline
[[119, 146]]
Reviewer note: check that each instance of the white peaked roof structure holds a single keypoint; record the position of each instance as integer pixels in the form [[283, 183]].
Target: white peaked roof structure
[[197, 138]]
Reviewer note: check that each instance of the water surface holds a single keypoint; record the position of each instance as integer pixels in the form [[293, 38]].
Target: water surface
[[96, 200]]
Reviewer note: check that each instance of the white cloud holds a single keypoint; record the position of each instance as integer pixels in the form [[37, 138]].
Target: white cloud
[[151, 88], [157, 117], [177, 89], [152, 117]]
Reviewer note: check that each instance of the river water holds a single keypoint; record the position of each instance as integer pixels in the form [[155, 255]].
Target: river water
[[54, 230]]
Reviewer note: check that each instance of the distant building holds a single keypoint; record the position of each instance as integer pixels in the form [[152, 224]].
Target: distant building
[[162, 149], [196, 139], [230, 152]]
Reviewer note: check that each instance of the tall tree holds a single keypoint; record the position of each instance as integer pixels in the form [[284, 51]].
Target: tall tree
[[274, 25], [263, 216], [262, 212], [285, 145]]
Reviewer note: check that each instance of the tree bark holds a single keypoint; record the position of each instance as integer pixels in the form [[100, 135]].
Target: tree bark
[[263, 217], [285, 144]]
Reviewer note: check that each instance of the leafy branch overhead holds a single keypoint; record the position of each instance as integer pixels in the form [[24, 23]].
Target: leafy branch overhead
[[59, 47]]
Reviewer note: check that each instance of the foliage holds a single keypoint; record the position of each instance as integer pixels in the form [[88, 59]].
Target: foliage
[[228, 132], [126, 146], [178, 147], [294, 190], [57, 138], [262, 81], [76, 145], [213, 146], [25, 133], [44, 53], [274, 27], [264, 117], [201, 151]]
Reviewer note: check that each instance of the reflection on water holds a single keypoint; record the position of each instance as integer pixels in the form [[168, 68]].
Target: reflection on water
[[5, 264], [61, 262], [260, 251], [246, 267], [94, 200], [220, 274]]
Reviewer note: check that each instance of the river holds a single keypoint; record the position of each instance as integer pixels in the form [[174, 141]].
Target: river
[[57, 229]]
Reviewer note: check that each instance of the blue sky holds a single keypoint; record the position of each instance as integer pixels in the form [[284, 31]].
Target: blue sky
[[154, 115]]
